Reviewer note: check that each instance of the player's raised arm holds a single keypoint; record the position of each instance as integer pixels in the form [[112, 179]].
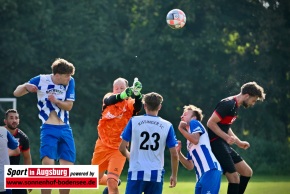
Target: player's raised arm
[[24, 89]]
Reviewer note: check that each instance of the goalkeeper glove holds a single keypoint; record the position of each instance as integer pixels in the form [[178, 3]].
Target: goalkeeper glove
[[126, 93], [137, 87]]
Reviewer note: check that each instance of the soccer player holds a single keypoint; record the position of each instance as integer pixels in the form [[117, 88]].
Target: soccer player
[[8, 147], [118, 107], [199, 156], [11, 124], [55, 95], [149, 134], [237, 171]]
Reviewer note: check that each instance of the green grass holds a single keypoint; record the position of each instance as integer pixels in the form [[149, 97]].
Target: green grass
[[257, 185]]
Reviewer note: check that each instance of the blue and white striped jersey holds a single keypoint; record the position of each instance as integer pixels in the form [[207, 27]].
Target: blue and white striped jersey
[[149, 135], [45, 87], [201, 154]]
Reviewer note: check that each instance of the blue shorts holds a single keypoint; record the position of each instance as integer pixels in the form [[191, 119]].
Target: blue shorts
[[57, 142], [209, 182], [8, 191], [140, 186]]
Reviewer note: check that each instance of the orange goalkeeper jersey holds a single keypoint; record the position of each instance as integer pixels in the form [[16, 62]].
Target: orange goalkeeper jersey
[[114, 119]]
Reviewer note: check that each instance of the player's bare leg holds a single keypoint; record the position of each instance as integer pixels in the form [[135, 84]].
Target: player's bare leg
[[64, 162], [102, 178], [246, 173], [244, 169], [113, 185], [234, 181], [113, 182], [47, 161], [233, 177]]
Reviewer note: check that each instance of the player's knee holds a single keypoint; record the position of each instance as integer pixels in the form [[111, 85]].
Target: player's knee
[[246, 171], [249, 172], [47, 161], [65, 162], [112, 183], [233, 177], [102, 179]]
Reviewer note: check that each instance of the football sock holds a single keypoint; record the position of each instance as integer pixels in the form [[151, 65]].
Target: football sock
[[233, 188], [103, 180], [243, 184]]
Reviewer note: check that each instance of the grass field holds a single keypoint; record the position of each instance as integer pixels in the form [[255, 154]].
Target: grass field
[[257, 185]]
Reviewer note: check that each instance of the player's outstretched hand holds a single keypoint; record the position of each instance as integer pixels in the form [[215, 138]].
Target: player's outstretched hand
[[126, 93], [137, 87]]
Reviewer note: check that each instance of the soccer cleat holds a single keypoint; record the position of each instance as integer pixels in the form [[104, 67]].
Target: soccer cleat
[[106, 190]]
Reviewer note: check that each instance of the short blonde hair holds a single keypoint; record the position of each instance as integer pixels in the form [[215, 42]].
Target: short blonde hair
[[196, 111]]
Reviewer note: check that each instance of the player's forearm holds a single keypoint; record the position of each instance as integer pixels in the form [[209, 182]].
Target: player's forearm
[[237, 140], [185, 162], [231, 133], [216, 129], [64, 105], [125, 153], [20, 90], [123, 149], [113, 99], [193, 138], [174, 165], [138, 104], [174, 161]]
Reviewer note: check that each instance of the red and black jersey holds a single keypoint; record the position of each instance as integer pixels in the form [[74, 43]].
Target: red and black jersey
[[227, 110], [23, 145]]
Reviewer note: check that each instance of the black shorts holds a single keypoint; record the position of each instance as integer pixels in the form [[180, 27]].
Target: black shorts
[[226, 155], [19, 191]]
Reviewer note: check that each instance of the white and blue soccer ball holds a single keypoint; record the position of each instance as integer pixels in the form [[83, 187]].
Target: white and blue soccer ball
[[176, 19]]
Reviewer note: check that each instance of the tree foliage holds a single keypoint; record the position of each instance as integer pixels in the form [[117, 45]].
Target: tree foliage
[[223, 45]]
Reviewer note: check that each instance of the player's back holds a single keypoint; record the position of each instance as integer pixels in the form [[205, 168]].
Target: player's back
[[150, 136]]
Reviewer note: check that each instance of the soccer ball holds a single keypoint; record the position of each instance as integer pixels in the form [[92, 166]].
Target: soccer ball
[[176, 19]]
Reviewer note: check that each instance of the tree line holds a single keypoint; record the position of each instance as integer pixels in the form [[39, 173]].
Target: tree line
[[223, 45]]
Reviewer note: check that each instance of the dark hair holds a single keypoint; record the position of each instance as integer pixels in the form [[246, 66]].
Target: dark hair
[[253, 89], [62, 66], [152, 101], [9, 111]]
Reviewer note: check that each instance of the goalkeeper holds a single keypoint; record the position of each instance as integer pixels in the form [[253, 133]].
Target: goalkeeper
[[118, 107]]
